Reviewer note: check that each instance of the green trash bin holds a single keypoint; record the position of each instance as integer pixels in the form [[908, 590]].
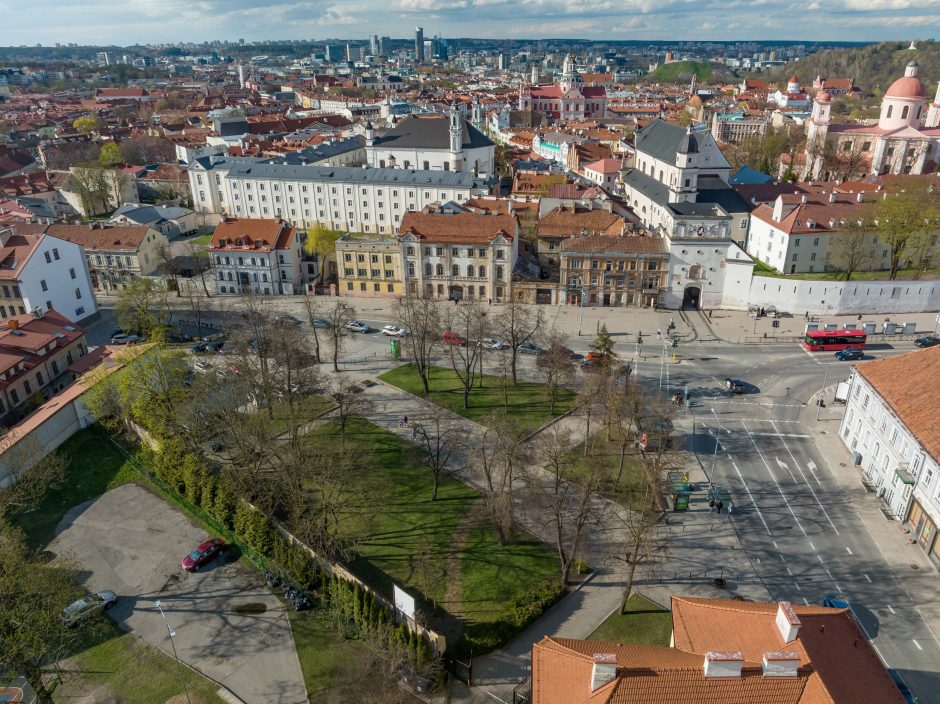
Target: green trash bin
[[394, 348]]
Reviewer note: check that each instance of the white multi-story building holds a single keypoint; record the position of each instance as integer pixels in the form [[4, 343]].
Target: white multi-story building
[[890, 425], [343, 198], [39, 272], [679, 190], [261, 257]]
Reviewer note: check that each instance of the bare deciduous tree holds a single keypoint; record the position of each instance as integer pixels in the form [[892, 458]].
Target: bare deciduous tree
[[438, 440], [25, 473], [501, 454], [468, 321], [420, 315], [518, 324], [349, 402], [556, 367], [850, 250], [338, 315], [639, 537]]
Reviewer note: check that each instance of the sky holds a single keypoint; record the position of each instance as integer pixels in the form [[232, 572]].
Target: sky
[[168, 21]]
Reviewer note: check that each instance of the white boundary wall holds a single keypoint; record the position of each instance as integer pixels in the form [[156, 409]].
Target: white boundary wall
[[844, 297]]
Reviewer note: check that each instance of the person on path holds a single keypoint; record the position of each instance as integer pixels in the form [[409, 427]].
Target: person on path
[[711, 506], [406, 420], [401, 423], [720, 505], [414, 431]]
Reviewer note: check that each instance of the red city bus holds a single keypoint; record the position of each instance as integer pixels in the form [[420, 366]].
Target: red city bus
[[818, 340]]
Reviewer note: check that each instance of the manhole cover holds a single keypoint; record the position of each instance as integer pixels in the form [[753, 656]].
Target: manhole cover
[[915, 567], [823, 432], [843, 464], [252, 608]]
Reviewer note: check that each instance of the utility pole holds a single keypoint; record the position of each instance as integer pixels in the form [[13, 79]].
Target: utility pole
[[715, 454], [179, 666]]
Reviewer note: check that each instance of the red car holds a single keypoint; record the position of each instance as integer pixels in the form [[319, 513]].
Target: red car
[[202, 554], [452, 338]]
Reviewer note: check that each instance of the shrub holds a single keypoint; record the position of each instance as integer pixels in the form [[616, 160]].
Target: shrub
[[193, 478], [223, 504], [207, 495]]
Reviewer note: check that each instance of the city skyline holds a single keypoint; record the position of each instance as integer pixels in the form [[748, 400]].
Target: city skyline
[[106, 22]]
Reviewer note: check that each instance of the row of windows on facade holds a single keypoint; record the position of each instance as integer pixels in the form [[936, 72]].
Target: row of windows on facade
[[376, 288], [293, 213], [55, 254], [438, 270], [319, 189], [428, 251], [616, 281], [45, 287], [115, 260], [229, 276], [610, 265], [258, 290], [221, 260]]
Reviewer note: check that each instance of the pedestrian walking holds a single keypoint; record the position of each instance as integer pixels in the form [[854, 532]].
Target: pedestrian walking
[[720, 505], [489, 301], [406, 420], [401, 423], [414, 431], [806, 315], [711, 506]]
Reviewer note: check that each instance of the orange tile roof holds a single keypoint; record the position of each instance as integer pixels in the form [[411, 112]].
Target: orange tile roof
[[120, 238], [836, 661], [905, 382], [252, 233], [625, 244], [563, 222], [459, 227]]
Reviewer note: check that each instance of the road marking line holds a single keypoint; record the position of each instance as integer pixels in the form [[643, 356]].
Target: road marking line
[[890, 609], [805, 601], [797, 584], [848, 549], [812, 546], [781, 558], [770, 472], [810, 355], [789, 571], [812, 469], [868, 578], [782, 435], [914, 641], [838, 588], [784, 465], [829, 573], [819, 557], [775, 544], [751, 497], [808, 485]]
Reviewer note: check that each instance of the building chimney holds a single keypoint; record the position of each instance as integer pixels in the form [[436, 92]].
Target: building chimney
[[780, 664], [723, 664], [788, 623], [605, 669], [860, 197], [832, 197], [803, 199]]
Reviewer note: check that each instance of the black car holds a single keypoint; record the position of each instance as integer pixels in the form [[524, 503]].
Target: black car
[[927, 341], [215, 346], [849, 354], [529, 348], [287, 320], [735, 386]]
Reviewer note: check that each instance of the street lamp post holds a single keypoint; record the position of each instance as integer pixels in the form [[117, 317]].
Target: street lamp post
[[662, 361], [819, 400], [179, 666], [581, 307], [715, 454]]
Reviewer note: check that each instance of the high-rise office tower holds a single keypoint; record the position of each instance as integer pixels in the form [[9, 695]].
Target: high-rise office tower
[[419, 44], [374, 44]]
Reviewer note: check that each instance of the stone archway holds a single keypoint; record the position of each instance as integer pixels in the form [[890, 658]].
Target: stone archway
[[692, 297]]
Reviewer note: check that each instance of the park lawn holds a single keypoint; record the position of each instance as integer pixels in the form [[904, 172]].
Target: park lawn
[[309, 407], [528, 401], [331, 665], [133, 671], [623, 487], [202, 239], [645, 623], [95, 466], [408, 538]]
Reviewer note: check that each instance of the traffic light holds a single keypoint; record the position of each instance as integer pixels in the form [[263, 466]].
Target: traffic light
[[675, 342], [776, 323]]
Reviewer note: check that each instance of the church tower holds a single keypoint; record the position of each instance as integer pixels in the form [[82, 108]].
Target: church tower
[[817, 132], [567, 74], [456, 137], [933, 112]]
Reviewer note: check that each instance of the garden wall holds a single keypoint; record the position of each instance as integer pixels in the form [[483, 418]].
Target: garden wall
[[845, 297]]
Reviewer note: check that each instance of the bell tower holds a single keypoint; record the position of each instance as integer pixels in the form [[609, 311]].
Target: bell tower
[[456, 137]]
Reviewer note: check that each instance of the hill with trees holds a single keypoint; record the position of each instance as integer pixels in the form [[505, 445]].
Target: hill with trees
[[681, 71], [873, 67]]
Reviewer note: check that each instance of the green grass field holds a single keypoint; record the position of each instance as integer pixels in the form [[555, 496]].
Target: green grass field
[[445, 551], [202, 239], [621, 485], [528, 401], [133, 672], [645, 623]]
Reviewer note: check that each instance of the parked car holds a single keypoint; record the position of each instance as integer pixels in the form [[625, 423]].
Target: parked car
[[846, 355], [215, 346], [202, 554], [126, 339], [202, 367], [199, 347], [452, 338], [735, 386], [491, 343], [88, 606], [597, 356], [834, 602], [357, 326], [321, 324], [927, 341], [530, 348], [286, 320], [394, 331]]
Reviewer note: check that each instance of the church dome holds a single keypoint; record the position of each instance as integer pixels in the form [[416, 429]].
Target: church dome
[[695, 102], [908, 86], [823, 97]]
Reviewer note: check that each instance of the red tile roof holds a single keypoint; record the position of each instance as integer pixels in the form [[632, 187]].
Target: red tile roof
[[906, 383], [252, 234], [459, 227]]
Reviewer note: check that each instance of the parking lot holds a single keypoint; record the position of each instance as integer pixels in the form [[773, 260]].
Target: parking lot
[[228, 625]]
